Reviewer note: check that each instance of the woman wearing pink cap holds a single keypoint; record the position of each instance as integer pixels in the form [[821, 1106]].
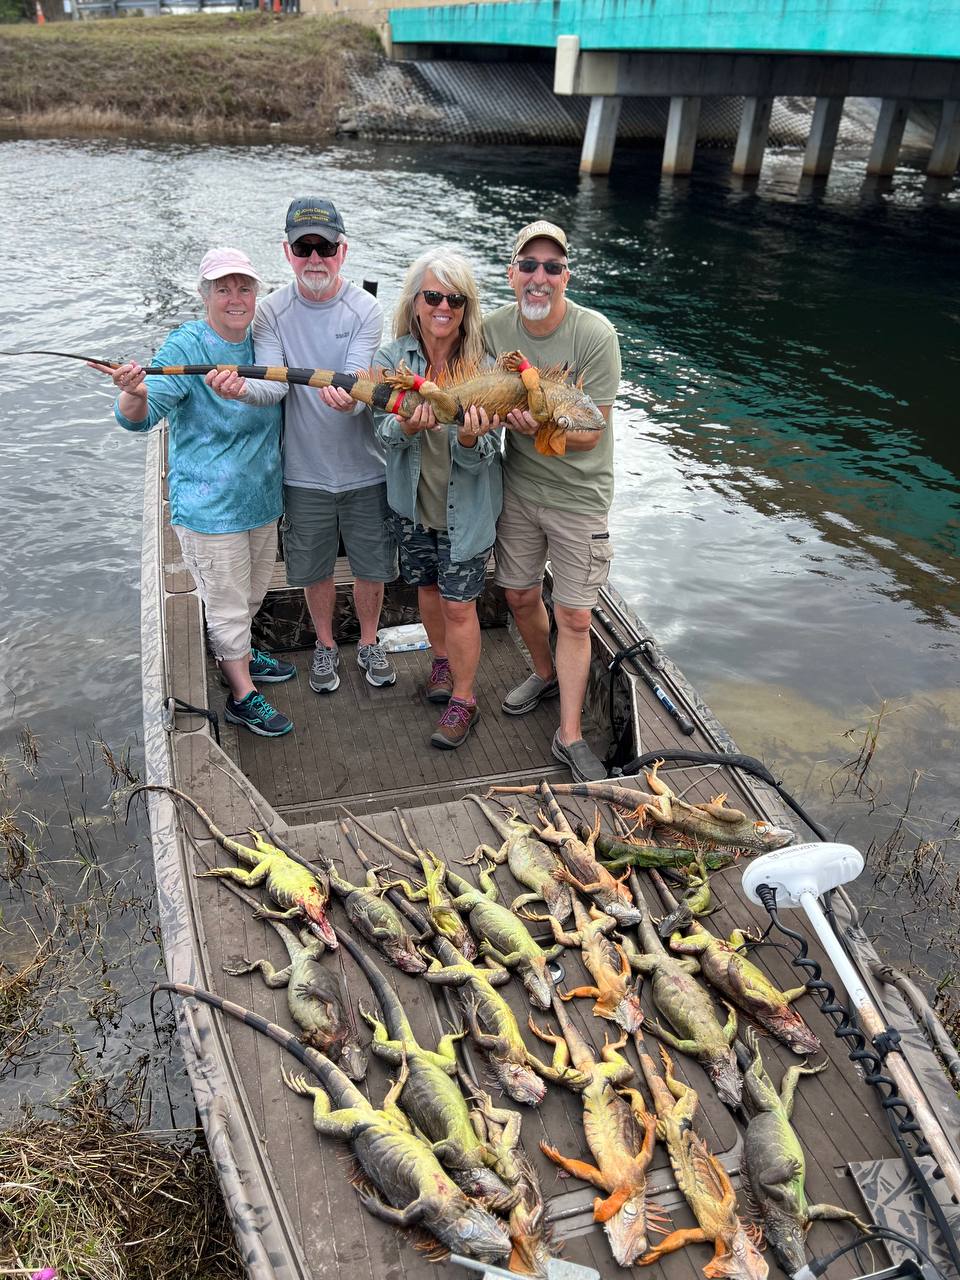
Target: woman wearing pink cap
[[226, 491]]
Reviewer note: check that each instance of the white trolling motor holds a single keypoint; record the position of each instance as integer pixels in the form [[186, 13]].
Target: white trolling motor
[[799, 874]]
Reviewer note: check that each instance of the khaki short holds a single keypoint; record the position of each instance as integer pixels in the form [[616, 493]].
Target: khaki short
[[232, 572], [576, 544]]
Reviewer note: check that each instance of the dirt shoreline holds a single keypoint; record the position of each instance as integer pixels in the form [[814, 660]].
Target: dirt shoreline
[[234, 77]]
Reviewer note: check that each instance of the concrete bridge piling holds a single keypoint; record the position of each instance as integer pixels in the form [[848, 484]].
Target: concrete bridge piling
[[899, 51]]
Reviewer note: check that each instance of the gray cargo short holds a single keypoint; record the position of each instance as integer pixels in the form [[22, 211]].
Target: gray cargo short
[[314, 521], [425, 562]]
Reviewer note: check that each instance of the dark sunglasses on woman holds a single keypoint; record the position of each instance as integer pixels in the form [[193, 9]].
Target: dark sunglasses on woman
[[433, 298], [324, 248]]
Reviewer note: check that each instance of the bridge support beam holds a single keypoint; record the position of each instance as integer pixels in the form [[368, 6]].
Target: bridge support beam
[[600, 135], [889, 135], [945, 154], [681, 139], [752, 137], [818, 156]]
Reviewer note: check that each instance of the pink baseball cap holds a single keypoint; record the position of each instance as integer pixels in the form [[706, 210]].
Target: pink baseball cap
[[217, 263]]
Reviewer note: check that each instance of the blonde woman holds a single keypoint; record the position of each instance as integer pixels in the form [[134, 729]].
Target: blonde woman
[[443, 482]]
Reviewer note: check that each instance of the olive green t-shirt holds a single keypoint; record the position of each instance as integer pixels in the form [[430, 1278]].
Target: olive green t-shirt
[[434, 479], [587, 342]]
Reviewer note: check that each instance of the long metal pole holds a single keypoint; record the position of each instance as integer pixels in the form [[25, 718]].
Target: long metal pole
[[873, 1024]]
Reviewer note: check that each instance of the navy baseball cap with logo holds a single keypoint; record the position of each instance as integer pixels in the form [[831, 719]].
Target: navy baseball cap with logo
[[311, 216]]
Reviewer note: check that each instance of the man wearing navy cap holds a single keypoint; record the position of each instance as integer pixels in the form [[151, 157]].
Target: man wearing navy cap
[[334, 477]]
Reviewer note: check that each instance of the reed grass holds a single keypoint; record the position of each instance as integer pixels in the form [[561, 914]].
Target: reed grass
[[228, 75]]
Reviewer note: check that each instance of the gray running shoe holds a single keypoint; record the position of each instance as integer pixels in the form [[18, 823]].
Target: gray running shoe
[[529, 694], [323, 669], [372, 659], [579, 759]]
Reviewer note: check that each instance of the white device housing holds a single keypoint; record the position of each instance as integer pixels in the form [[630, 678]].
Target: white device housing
[[802, 869]]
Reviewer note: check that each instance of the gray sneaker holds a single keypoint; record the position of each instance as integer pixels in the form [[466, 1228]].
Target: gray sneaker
[[529, 694], [579, 759], [323, 669], [372, 659]]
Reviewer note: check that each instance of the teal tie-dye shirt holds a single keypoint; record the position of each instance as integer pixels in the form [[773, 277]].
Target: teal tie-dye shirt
[[224, 456]]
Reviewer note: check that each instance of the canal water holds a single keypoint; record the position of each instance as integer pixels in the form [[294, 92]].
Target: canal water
[[787, 514]]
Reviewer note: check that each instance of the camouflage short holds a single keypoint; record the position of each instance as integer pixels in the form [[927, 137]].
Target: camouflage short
[[425, 562]]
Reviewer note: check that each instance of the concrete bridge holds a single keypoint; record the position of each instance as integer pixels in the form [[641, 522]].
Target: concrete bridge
[[900, 51]]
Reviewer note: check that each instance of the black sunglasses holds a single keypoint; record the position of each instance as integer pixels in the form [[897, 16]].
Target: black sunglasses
[[325, 248], [433, 298], [528, 266]]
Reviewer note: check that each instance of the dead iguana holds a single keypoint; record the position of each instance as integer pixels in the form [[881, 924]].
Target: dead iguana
[[726, 967], [492, 1023], [620, 1137], [313, 994], [583, 871], [526, 1222], [303, 894], [689, 1008], [432, 1097], [701, 1179], [433, 893], [615, 995], [773, 1163], [530, 861], [503, 937], [712, 822], [399, 1164]]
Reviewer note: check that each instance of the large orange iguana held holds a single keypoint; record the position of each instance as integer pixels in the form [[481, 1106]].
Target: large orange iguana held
[[700, 1177], [620, 1138]]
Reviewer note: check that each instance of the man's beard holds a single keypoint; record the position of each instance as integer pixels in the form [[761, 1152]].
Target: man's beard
[[317, 281], [532, 309]]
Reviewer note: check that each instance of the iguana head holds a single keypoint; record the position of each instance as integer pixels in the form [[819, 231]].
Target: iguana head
[[722, 1070], [785, 1235], [537, 981], [627, 1231], [768, 837], [353, 1061], [531, 1241], [520, 1082], [483, 1184], [314, 906], [625, 913], [628, 1013], [741, 1260], [789, 1027], [477, 1234], [406, 956]]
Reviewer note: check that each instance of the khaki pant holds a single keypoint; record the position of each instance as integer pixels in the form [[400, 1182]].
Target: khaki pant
[[232, 572]]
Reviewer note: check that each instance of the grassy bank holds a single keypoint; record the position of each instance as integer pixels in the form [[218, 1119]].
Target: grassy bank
[[229, 75]]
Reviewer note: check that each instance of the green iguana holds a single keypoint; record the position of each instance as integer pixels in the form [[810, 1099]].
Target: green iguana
[[530, 861], [620, 1137], [432, 1098], [773, 1163], [726, 968], [303, 894], [503, 937], [399, 1164], [492, 1023], [682, 1000], [701, 1178], [444, 916]]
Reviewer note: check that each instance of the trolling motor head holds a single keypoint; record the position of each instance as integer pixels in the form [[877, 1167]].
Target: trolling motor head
[[812, 868]]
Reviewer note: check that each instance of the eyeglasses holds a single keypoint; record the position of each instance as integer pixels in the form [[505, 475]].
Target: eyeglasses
[[553, 267], [324, 248], [433, 298]]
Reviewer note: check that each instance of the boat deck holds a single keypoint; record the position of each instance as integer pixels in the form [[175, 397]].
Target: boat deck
[[366, 749]]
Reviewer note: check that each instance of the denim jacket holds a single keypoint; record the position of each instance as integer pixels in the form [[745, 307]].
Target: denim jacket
[[475, 488]]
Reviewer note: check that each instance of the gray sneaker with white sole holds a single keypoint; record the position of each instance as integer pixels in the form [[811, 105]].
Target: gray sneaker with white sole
[[323, 670], [372, 659]]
